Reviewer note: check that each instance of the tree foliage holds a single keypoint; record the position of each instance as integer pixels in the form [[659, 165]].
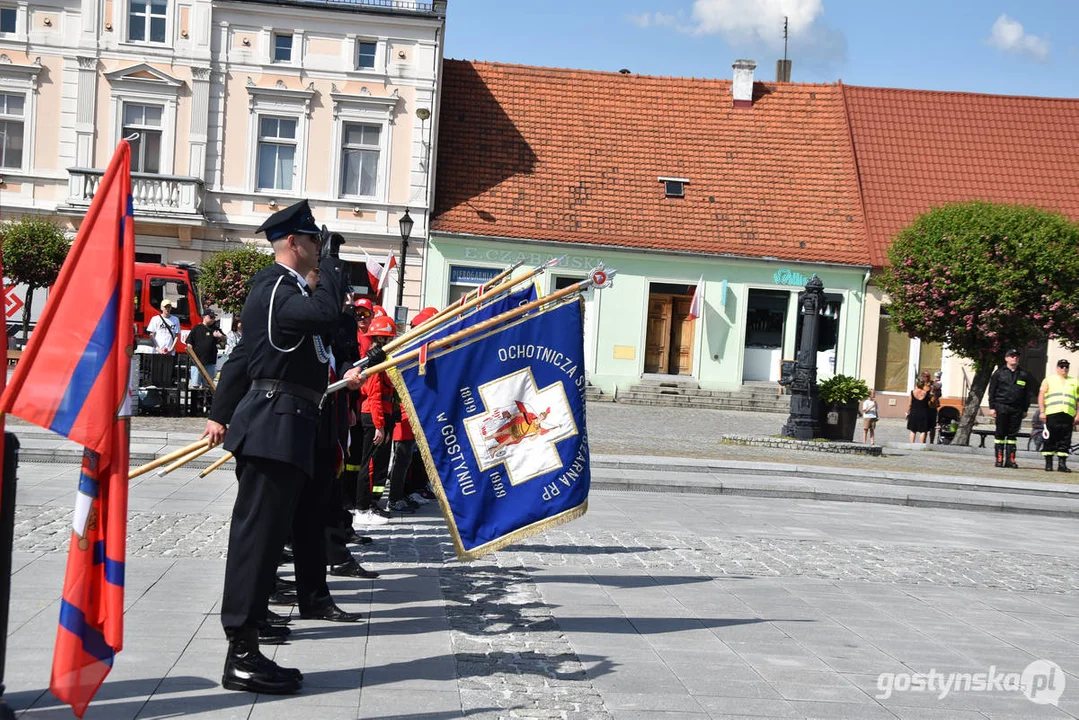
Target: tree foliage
[[982, 277], [34, 250], [225, 277]]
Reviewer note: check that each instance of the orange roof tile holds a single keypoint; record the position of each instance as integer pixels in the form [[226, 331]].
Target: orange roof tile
[[576, 156], [917, 149]]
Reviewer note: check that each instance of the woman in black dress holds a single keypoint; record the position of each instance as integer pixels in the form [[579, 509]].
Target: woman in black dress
[[918, 413]]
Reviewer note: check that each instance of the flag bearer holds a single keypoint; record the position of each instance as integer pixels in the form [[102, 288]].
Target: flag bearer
[[273, 432], [1057, 400]]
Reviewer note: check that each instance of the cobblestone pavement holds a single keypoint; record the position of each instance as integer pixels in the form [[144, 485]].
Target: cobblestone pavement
[[651, 606]]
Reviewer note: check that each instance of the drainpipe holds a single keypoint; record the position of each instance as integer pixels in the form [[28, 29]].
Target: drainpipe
[[858, 362]]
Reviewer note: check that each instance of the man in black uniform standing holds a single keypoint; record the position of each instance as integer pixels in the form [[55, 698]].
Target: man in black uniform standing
[[273, 431], [1011, 390]]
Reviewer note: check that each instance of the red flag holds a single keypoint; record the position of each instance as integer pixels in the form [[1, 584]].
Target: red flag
[[73, 378], [697, 301], [377, 273]]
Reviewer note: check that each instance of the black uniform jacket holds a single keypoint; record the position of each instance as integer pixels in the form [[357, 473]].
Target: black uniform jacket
[[1011, 390], [280, 323]]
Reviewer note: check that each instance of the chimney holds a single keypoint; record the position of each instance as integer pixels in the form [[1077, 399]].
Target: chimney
[[742, 87], [783, 70]]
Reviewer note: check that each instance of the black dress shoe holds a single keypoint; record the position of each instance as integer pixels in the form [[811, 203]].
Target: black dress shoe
[[283, 597], [282, 584], [273, 634], [273, 618], [351, 536], [352, 569], [249, 670], [332, 613]]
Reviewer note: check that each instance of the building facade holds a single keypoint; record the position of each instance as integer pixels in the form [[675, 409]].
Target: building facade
[[740, 188], [236, 109]]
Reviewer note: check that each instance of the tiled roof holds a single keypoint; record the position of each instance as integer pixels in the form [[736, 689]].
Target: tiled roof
[[918, 149], [576, 156]]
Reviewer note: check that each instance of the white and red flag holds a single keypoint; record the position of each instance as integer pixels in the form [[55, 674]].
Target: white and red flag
[[696, 305]]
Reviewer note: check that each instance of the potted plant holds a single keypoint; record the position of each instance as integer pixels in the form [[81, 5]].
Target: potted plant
[[839, 399]]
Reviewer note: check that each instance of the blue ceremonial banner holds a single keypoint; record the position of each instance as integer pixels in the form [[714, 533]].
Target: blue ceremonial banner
[[500, 421], [497, 306]]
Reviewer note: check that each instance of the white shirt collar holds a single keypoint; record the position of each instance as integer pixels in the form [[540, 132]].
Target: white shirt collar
[[299, 278]]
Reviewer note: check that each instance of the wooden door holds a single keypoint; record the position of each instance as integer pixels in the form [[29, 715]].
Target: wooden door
[[681, 362], [657, 342]]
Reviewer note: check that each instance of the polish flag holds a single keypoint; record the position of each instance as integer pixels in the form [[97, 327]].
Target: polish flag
[[377, 273], [695, 305]]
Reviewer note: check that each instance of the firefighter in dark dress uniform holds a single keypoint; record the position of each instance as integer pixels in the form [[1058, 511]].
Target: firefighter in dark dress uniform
[[1011, 390], [273, 432]]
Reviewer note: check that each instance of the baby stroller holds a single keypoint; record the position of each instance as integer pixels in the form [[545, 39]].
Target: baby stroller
[[947, 424]]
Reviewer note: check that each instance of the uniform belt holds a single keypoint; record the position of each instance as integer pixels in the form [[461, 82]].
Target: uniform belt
[[280, 386]]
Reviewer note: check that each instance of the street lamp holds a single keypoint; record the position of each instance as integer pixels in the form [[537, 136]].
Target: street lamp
[[406, 223]]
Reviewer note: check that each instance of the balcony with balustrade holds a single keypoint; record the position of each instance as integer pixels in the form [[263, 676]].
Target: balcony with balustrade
[[167, 197]]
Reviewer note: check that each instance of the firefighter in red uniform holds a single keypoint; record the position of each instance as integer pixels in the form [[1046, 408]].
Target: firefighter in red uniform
[[355, 473], [376, 420]]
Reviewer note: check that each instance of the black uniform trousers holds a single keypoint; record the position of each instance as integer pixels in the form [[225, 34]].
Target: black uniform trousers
[[400, 463], [267, 493], [375, 462], [1060, 434], [1008, 421], [309, 536], [355, 485]]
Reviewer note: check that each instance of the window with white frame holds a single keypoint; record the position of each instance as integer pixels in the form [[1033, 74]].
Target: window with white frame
[[9, 19], [12, 128], [366, 54], [282, 47], [359, 159], [276, 152], [144, 120], [146, 20]]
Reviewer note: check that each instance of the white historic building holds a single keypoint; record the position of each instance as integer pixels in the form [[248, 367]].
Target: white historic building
[[241, 107]]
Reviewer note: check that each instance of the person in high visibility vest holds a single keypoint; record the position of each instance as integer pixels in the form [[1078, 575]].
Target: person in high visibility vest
[[1057, 401]]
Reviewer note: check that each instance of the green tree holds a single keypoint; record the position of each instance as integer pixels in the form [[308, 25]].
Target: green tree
[[982, 277], [225, 276], [34, 251]]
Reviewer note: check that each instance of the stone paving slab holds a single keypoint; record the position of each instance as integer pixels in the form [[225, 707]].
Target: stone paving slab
[[649, 606]]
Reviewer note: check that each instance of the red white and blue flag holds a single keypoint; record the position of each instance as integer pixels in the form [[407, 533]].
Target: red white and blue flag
[[73, 379]]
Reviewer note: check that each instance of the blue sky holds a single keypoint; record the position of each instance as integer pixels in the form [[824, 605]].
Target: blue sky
[[992, 46]]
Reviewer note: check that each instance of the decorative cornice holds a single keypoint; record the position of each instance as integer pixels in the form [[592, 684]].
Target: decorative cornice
[[26, 73], [131, 75], [384, 104], [280, 93]]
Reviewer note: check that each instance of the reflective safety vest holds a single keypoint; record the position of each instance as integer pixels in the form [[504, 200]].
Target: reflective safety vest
[[1061, 395]]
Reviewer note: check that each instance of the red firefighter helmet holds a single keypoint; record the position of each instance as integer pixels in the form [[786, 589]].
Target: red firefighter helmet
[[363, 304], [382, 326], [380, 311], [423, 316]]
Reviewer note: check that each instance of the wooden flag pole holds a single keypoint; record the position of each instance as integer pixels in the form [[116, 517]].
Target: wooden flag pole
[[600, 277], [184, 460], [202, 370], [164, 459], [217, 463]]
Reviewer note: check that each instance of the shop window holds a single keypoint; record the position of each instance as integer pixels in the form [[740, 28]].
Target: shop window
[[765, 314], [929, 358], [893, 357], [464, 279]]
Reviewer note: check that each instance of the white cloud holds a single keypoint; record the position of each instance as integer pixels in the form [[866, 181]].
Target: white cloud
[[652, 19], [750, 21], [1008, 35]]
